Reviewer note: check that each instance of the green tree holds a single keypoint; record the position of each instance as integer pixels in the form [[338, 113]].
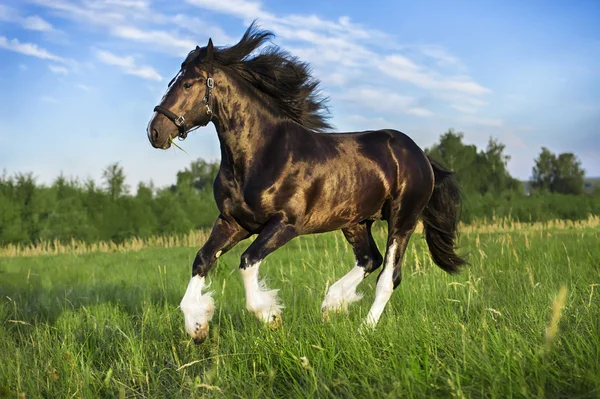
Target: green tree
[[543, 171], [568, 175], [114, 179], [478, 172], [558, 174], [199, 175]]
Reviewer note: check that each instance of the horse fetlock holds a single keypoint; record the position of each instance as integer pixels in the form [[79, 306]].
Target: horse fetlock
[[266, 306], [339, 297], [198, 309]]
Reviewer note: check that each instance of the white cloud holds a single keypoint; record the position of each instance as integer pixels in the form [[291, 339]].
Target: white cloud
[[84, 87], [404, 69], [37, 23], [58, 69], [383, 101], [32, 22], [441, 56], [344, 52], [128, 65], [48, 99], [244, 9], [125, 19], [82, 14], [172, 44], [489, 122], [30, 49], [134, 4]]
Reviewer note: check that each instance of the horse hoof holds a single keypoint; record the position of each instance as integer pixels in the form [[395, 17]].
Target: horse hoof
[[200, 334], [325, 315], [275, 322]]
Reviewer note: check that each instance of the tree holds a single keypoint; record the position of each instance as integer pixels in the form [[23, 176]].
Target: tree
[[114, 178], [568, 175], [478, 172], [562, 174], [200, 175], [543, 171]]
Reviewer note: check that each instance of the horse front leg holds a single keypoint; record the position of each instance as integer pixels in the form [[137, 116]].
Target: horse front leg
[[198, 307], [259, 299]]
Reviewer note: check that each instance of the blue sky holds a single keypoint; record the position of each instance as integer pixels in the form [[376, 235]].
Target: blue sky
[[79, 78]]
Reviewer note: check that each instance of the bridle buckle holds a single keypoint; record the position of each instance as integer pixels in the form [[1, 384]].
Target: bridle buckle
[[179, 121]]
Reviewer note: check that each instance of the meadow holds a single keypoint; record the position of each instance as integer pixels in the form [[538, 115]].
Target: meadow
[[523, 320]]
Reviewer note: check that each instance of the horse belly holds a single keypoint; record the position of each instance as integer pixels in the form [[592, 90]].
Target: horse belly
[[341, 203]]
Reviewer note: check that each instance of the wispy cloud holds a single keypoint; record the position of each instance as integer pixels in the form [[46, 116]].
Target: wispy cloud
[[344, 52], [58, 69], [402, 68], [32, 22], [384, 101], [175, 45], [488, 122], [49, 99], [84, 87], [128, 65], [240, 8], [126, 19], [30, 49]]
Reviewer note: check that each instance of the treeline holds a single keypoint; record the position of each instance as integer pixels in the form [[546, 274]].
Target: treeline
[[72, 209], [490, 191], [84, 210]]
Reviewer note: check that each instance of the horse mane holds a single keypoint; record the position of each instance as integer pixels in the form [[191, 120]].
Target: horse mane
[[282, 77]]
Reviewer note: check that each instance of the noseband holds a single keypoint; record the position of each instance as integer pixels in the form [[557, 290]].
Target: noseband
[[179, 120]]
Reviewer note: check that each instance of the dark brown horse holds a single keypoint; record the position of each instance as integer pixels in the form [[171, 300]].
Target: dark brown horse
[[282, 175]]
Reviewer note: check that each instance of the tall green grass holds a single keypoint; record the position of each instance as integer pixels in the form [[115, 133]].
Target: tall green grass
[[108, 324]]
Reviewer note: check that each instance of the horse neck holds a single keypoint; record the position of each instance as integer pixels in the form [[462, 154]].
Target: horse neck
[[244, 126]]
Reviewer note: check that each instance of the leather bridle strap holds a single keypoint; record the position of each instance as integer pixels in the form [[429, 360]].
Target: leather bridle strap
[[179, 120]]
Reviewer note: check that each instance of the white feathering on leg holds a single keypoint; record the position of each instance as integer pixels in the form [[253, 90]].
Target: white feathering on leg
[[261, 301], [385, 287], [343, 292], [197, 308]]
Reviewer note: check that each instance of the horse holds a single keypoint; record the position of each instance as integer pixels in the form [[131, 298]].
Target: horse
[[284, 173]]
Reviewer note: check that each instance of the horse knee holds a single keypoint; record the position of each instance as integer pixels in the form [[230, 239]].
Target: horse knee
[[201, 264]]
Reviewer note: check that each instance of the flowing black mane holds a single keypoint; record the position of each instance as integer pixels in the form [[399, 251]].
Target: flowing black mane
[[282, 77]]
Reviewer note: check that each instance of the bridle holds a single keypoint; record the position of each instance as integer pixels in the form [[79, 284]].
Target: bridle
[[179, 120]]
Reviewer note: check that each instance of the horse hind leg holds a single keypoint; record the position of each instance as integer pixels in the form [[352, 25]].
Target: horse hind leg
[[368, 259], [390, 277]]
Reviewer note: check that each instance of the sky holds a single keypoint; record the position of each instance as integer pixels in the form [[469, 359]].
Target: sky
[[79, 78]]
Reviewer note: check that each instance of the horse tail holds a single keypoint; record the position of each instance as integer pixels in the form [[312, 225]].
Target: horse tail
[[440, 219]]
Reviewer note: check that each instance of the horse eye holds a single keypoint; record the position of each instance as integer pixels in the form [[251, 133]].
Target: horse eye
[[187, 85]]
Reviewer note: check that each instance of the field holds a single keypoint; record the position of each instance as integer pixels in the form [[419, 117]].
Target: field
[[523, 320]]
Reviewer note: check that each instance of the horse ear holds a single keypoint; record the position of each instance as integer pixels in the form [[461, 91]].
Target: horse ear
[[209, 50]]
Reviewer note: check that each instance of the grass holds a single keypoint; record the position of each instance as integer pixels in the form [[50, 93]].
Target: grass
[[522, 321]]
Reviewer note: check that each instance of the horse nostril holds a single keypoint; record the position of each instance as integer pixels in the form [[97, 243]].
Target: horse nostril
[[154, 135]]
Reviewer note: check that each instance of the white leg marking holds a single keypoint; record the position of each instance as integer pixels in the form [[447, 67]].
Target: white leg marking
[[385, 287], [259, 300], [343, 292], [197, 308]]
